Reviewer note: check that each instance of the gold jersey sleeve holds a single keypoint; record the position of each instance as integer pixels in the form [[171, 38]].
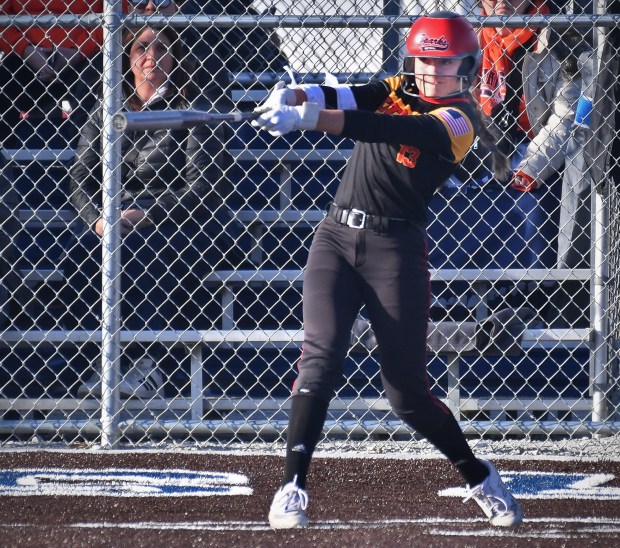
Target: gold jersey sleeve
[[459, 127]]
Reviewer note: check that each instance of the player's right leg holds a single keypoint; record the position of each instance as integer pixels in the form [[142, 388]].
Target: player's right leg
[[331, 303], [404, 373]]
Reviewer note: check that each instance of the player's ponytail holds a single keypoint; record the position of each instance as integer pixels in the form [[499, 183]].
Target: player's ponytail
[[488, 137]]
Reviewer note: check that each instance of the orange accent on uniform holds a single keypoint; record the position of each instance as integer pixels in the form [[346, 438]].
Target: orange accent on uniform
[[395, 105], [408, 155]]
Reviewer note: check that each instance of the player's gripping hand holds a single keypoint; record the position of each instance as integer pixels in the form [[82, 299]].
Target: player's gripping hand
[[280, 96], [281, 121], [523, 182]]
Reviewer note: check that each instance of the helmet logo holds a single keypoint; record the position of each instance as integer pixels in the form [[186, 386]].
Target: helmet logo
[[428, 43]]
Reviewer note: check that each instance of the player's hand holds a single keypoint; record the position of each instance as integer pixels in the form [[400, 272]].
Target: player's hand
[[281, 121], [523, 182], [126, 226], [280, 96], [133, 219]]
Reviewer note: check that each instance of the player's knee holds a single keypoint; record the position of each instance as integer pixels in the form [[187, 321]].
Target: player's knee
[[424, 416], [413, 418], [418, 410], [317, 377]]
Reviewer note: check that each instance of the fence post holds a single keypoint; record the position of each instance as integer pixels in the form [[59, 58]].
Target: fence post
[[601, 221], [111, 241]]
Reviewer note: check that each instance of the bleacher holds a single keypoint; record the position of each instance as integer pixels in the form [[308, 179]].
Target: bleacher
[[295, 185]]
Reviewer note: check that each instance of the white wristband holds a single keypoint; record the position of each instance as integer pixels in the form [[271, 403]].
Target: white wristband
[[346, 101], [314, 94], [309, 115]]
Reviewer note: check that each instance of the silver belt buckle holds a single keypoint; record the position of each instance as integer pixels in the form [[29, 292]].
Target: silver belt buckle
[[356, 218]]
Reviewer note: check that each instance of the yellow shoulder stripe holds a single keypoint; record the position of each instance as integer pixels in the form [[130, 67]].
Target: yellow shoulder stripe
[[459, 128]]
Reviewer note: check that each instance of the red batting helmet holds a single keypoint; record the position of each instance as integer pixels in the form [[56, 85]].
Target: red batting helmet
[[447, 35]]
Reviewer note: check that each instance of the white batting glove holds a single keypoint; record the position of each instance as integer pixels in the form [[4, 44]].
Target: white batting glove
[[280, 96], [286, 119]]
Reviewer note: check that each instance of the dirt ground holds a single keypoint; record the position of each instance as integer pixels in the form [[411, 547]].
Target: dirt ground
[[353, 502]]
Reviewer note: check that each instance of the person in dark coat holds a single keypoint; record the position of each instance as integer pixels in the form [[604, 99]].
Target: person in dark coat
[[171, 207]]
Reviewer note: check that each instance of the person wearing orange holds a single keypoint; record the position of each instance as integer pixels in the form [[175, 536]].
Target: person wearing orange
[[48, 50], [171, 214], [529, 86], [42, 66]]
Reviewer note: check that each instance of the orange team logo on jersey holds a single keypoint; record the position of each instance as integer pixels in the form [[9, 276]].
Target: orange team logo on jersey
[[408, 154]]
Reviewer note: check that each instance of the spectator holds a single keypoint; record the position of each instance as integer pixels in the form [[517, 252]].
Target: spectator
[[171, 206], [574, 242], [575, 213], [218, 52], [208, 70], [550, 110], [42, 66], [529, 87], [501, 82]]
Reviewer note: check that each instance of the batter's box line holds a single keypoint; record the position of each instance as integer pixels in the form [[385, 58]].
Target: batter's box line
[[586, 525]]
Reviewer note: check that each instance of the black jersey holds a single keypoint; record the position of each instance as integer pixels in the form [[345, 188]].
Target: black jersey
[[406, 148]]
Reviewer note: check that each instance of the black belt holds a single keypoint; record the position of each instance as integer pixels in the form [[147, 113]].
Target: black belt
[[356, 218]]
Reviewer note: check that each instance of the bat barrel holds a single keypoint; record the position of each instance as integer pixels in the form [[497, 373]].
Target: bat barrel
[[175, 119], [160, 119]]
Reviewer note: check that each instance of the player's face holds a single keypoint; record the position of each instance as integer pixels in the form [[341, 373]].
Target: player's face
[[437, 77], [505, 7], [150, 59]]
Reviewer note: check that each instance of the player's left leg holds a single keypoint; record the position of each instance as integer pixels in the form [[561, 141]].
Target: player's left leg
[[397, 303]]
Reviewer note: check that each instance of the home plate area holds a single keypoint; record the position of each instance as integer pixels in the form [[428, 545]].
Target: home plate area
[[183, 498]]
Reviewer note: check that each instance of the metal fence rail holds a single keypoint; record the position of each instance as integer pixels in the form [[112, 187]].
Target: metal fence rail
[[227, 348]]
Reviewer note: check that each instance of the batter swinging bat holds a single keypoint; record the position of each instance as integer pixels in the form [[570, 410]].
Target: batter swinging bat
[[175, 119]]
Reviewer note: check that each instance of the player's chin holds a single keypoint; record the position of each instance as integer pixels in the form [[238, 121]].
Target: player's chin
[[431, 90]]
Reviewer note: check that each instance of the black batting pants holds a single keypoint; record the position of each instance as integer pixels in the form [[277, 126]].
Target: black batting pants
[[388, 273]]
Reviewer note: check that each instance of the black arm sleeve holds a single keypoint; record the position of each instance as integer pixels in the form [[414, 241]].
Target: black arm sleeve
[[425, 131], [368, 96]]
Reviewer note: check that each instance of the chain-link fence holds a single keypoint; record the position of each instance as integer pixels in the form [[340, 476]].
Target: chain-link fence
[[152, 279]]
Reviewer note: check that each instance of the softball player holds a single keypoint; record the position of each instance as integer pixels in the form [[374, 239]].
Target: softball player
[[412, 130]]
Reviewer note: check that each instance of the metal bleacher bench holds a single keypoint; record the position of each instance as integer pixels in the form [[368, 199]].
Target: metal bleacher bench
[[195, 342], [229, 280]]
